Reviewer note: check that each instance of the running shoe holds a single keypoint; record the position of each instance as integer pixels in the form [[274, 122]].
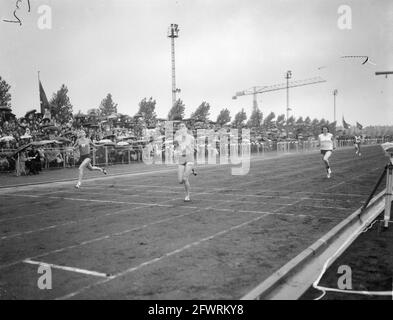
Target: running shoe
[[104, 171], [329, 172], [78, 185], [187, 199], [193, 172]]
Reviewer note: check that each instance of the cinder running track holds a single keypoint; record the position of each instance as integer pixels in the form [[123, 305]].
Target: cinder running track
[[131, 236]]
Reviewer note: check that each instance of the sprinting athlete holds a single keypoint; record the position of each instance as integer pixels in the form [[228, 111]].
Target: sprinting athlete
[[85, 159], [326, 143], [358, 140], [185, 145]]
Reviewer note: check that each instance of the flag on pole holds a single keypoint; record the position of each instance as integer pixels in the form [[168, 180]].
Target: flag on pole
[[359, 126], [346, 125], [43, 100]]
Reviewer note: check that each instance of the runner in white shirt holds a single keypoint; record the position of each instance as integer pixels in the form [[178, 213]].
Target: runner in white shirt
[[327, 144], [358, 140], [185, 146], [84, 143]]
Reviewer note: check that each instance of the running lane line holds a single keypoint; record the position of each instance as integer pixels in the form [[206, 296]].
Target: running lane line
[[65, 268]]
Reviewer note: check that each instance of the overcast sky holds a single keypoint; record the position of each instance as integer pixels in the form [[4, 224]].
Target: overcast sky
[[121, 47]]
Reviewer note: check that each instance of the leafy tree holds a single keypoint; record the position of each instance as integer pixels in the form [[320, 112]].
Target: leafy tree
[[177, 111], [290, 125], [107, 106], [268, 122], [61, 107], [223, 117], [202, 112], [315, 130], [147, 110], [5, 96], [255, 120], [240, 117], [291, 121], [332, 127], [280, 121], [93, 112], [307, 128], [322, 123], [299, 126], [300, 121]]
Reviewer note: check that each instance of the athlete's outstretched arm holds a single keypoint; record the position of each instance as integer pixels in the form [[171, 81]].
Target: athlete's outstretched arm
[[76, 144], [95, 145]]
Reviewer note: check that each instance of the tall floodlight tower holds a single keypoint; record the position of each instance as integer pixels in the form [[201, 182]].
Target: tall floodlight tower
[[173, 32], [334, 97], [288, 76]]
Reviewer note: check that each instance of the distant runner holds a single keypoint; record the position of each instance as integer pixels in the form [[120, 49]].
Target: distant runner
[[358, 140]]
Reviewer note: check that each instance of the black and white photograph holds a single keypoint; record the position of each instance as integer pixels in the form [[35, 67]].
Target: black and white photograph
[[196, 155]]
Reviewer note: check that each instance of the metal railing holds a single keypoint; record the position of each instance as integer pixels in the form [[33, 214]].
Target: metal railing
[[66, 157]]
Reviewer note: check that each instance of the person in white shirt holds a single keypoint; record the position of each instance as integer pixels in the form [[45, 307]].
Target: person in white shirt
[[85, 160], [358, 140], [185, 146], [327, 144]]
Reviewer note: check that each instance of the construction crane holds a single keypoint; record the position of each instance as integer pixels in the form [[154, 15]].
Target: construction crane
[[298, 83], [256, 90], [385, 73]]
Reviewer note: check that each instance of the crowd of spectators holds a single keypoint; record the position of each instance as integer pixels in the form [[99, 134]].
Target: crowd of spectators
[[35, 131], [116, 130]]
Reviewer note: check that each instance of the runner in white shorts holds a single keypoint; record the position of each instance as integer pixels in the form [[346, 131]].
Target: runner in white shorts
[[185, 145], [326, 143]]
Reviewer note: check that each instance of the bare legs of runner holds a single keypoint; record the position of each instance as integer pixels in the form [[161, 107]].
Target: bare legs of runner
[[87, 164], [326, 161], [183, 175]]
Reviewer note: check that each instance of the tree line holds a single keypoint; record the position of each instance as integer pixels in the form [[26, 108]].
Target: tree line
[[62, 109]]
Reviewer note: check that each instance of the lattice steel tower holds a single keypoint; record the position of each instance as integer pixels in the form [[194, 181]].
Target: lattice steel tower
[[173, 32]]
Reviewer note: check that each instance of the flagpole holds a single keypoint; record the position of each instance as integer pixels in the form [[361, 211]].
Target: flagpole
[[39, 96]]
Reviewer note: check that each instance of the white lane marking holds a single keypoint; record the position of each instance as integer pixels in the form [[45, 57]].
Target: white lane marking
[[152, 261], [212, 193], [90, 200], [121, 211], [105, 237], [168, 254], [71, 269], [67, 182], [343, 182]]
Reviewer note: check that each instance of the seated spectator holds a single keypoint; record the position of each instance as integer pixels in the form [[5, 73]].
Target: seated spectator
[[42, 157], [33, 162], [4, 164], [21, 164]]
